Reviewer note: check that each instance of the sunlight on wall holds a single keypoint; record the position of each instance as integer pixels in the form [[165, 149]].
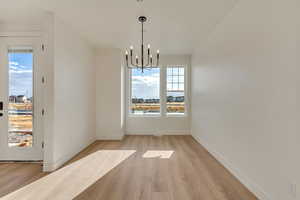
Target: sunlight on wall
[[73, 179], [158, 154]]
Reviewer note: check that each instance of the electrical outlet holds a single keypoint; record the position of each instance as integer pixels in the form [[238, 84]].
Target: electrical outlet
[[293, 190]]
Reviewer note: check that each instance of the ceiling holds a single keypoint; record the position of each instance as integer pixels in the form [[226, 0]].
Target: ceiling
[[173, 26]]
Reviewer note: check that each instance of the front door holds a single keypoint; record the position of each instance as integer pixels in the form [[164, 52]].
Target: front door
[[20, 99]]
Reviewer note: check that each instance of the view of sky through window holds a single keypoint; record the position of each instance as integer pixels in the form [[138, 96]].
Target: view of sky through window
[[20, 69], [145, 85], [145, 91]]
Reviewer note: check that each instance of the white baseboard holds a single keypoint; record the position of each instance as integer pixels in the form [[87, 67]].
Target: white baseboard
[[21, 34], [246, 181], [168, 132], [110, 137], [50, 167]]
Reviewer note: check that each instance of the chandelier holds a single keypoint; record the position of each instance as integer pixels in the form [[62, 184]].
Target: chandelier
[[143, 63]]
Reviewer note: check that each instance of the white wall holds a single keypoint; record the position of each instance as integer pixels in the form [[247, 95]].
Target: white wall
[[109, 94], [245, 95], [167, 125], [73, 106]]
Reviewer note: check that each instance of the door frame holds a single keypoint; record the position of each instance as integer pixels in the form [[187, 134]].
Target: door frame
[[34, 153]]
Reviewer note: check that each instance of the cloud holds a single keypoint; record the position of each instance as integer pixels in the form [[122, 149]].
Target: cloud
[[15, 65], [11, 63], [146, 80], [20, 81], [11, 67], [14, 71], [145, 86], [20, 74]]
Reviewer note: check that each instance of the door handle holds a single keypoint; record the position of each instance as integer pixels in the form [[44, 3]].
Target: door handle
[[1, 108]]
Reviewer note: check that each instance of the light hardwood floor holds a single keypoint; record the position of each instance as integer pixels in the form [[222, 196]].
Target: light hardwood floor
[[162, 168]]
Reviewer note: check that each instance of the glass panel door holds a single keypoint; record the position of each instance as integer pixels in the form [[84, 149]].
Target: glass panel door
[[21, 91]]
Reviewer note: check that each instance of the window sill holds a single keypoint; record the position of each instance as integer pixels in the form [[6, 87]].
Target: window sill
[[144, 115], [176, 115], [157, 116]]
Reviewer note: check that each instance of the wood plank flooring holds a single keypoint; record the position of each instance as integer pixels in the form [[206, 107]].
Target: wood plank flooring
[[162, 168]]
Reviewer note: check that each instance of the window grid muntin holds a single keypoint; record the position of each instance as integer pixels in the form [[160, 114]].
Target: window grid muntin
[[176, 75]]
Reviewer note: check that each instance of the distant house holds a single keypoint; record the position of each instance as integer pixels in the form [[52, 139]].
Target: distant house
[[156, 101], [137, 100], [170, 99], [175, 99], [148, 100], [21, 99], [179, 99], [12, 99], [140, 100], [151, 100]]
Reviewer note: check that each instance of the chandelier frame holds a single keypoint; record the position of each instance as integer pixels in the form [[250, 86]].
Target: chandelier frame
[[143, 65]]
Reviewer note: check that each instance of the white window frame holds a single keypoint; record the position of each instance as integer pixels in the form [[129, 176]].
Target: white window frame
[[163, 93], [129, 104], [166, 92]]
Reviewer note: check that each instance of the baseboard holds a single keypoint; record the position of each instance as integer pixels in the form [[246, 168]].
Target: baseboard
[[49, 167], [110, 137], [168, 132], [246, 181]]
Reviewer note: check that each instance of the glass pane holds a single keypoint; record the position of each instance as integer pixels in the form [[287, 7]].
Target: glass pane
[[181, 71], [145, 98], [175, 79], [175, 102], [181, 86], [20, 121], [175, 86], [170, 79], [169, 86], [175, 70], [181, 79]]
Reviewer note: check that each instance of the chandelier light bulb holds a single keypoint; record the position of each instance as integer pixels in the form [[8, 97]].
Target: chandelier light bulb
[[158, 51], [131, 47], [126, 55], [148, 46]]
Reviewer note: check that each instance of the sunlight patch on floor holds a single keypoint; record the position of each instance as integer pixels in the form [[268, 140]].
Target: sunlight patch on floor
[[73, 179], [158, 154]]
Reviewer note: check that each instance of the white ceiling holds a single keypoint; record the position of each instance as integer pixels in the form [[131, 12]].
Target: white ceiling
[[174, 26]]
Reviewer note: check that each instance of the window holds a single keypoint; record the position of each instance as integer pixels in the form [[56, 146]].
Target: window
[[20, 121], [175, 90], [158, 91], [145, 91]]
